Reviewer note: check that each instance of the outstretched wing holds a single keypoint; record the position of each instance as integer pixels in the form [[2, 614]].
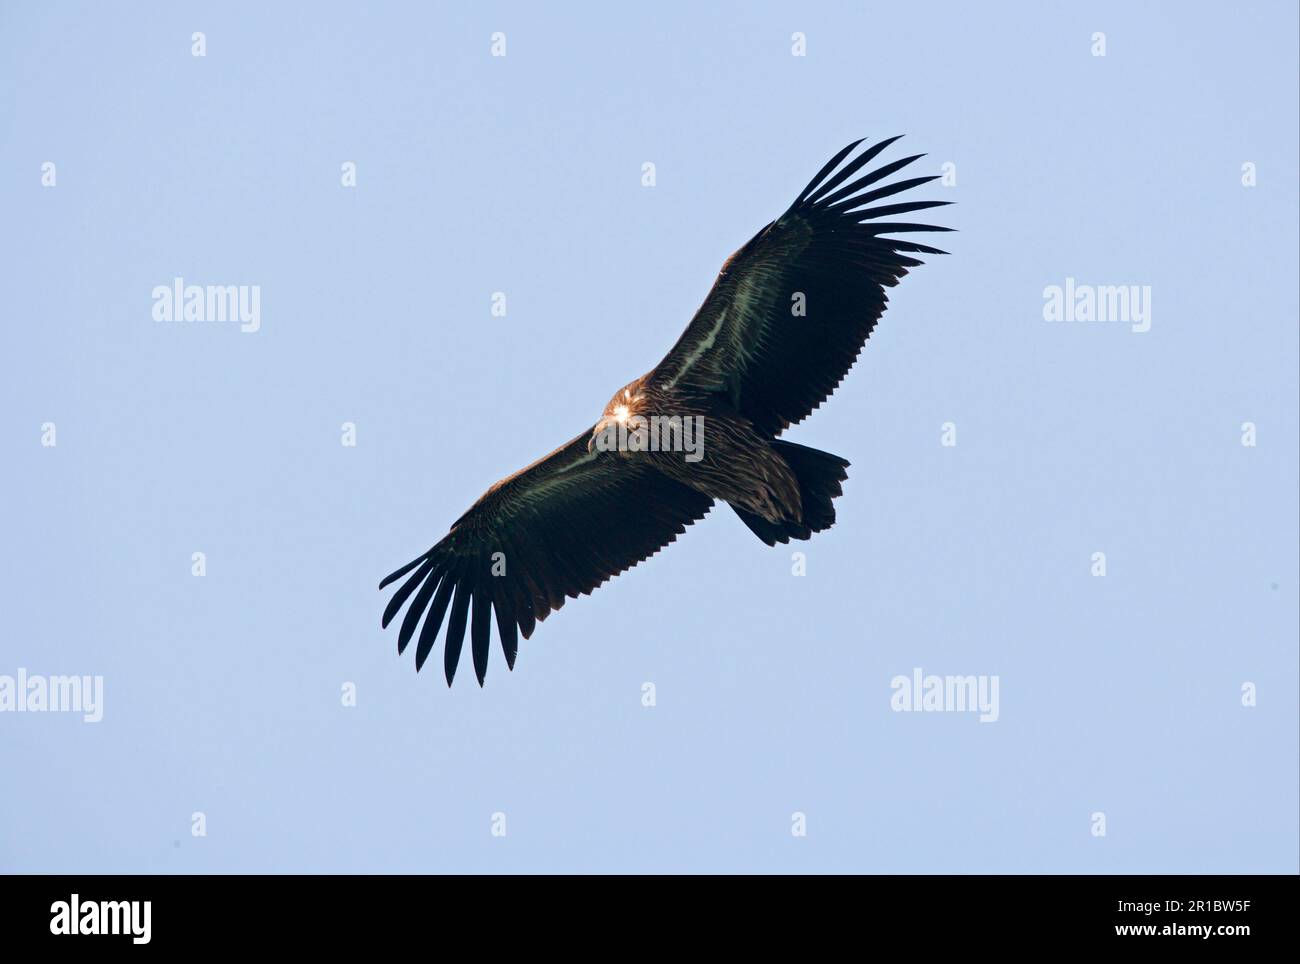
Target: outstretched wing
[[560, 527], [790, 311]]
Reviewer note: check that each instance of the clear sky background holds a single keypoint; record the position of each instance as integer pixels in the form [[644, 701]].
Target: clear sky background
[[1119, 694]]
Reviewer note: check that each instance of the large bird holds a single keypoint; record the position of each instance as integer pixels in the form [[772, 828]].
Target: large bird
[[780, 328]]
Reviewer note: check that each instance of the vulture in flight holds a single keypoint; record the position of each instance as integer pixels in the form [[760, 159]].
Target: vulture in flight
[[780, 328]]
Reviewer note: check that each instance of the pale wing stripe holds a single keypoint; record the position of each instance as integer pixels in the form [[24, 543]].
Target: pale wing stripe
[[699, 351]]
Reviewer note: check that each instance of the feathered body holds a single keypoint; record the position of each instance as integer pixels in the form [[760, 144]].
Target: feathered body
[[731, 461]]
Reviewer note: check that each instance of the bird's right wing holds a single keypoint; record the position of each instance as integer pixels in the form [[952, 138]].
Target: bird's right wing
[[560, 527]]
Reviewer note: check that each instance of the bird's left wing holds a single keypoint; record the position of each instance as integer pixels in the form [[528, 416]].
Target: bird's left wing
[[790, 311], [558, 528]]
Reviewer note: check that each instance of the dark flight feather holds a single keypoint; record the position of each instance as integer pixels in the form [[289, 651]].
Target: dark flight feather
[[866, 157], [433, 621], [456, 626], [480, 629]]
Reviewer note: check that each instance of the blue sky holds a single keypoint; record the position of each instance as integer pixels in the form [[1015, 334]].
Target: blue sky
[[1119, 694]]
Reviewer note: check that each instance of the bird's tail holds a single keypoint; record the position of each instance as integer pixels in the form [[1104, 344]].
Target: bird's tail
[[819, 474]]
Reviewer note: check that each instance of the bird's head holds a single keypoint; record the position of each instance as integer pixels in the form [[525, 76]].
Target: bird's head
[[621, 407]]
